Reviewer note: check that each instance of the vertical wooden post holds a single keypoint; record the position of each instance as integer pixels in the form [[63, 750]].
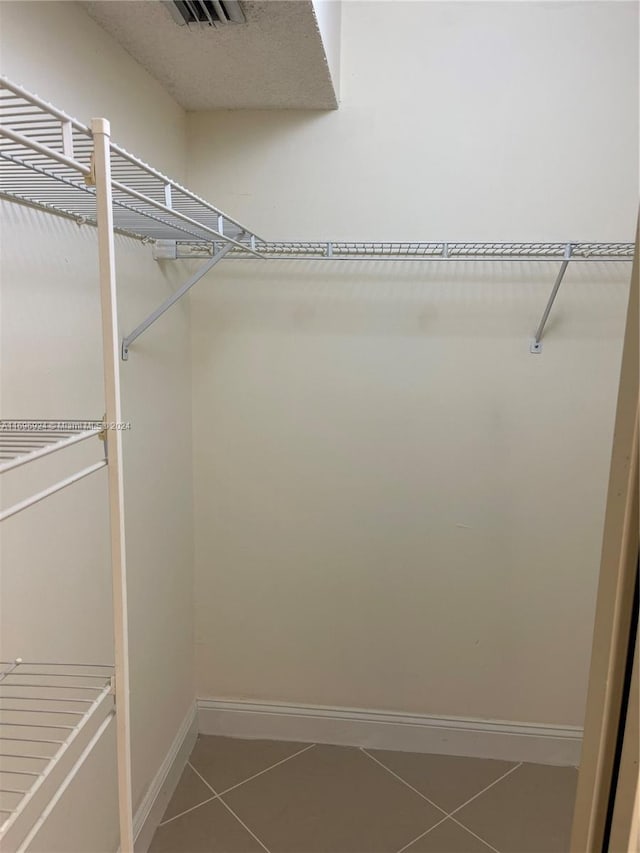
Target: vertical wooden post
[[111, 364], [614, 601]]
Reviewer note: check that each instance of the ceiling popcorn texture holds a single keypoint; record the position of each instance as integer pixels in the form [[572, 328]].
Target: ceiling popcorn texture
[[276, 60]]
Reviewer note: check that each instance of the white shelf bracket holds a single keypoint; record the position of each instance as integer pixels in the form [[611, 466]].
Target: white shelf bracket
[[195, 278], [535, 346]]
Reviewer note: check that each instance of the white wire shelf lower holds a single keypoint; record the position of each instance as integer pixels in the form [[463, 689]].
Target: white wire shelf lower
[[25, 441], [50, 716]]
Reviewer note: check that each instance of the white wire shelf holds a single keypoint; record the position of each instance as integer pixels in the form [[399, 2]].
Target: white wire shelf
[[25, 441], [45, 161], [418, 251], [51, 715]]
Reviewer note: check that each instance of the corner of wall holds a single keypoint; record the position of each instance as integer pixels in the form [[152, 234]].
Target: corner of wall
[[328, 14]]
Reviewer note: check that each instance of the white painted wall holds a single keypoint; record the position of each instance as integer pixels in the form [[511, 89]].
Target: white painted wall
[[458, 120], [347, 418], [55, 574], [396, 505], [75, 65]]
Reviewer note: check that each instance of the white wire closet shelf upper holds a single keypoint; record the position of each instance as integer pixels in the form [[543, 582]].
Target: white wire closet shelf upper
[[45, 161]]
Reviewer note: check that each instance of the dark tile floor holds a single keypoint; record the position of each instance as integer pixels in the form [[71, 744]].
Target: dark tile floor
[[241, 796]]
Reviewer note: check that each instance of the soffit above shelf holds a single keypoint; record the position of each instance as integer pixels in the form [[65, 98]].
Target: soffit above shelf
[[276, 59]]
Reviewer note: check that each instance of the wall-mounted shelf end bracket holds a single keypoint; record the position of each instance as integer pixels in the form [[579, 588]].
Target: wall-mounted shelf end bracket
[[171, 300], [535, 346]]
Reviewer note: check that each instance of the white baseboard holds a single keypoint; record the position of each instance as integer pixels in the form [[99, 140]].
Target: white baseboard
[[508, 741], [541, 744], [160, 791]]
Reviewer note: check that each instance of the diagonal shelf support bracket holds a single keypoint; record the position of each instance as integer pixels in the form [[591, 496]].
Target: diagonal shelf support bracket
[[536, 344], [160, 310]]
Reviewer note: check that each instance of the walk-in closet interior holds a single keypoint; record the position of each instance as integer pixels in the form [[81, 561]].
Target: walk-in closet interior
[[312, 320]]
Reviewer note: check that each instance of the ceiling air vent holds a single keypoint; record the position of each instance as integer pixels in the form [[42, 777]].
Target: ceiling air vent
[[205, 13]]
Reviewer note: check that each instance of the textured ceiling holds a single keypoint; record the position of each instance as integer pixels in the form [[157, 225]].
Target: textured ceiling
[[276, 60]]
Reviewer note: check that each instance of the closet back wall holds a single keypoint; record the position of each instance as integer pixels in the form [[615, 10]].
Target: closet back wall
[[397, 506], [56, 587]]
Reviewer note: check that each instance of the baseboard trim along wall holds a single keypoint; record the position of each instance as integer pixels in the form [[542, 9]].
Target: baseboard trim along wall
[[537, 743], [541, 744], [160, 791]]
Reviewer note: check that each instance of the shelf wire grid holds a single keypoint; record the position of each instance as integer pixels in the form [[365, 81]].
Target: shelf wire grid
[[363, 250], [27, 440], [45, 162], [22, 442], [44, 710]]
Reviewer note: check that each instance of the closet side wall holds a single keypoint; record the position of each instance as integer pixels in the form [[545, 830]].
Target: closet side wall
[[397, 506], [56, 586]]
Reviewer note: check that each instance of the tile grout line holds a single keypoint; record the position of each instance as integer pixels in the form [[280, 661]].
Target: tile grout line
[[475, 796], [242, 823], [448, 815], [202, 779], [266, 770], [186, 811], [422, 835], [232, 788], [227, 807], [404, 782], [197, 806], [436, 825], [415, 790], [216, 796], [471, 832]]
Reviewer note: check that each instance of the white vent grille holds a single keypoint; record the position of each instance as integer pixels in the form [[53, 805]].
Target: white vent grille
[[205, 13]]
